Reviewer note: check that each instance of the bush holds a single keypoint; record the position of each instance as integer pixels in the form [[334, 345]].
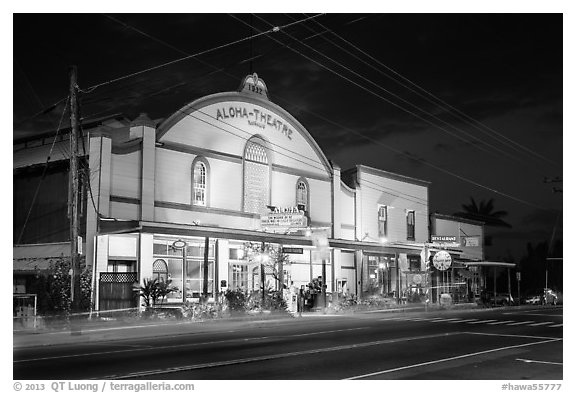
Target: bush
[[273, 301], [236, 300]]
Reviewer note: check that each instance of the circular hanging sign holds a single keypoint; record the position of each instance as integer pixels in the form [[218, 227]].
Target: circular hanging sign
[[442, 260], [179, 244]]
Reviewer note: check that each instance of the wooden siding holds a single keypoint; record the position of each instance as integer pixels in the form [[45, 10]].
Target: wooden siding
[[229, 135], [125, 175], [347, 206], [400, 197], [125, 211], [461, 229], [173, 176]]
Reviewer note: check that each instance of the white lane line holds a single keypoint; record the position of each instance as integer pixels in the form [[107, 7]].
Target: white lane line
[[557, 325], [465, 320], [513, 335], [450, 359], [483, 321], [546, 315], [499, 322], [539, 361], [540, 323], [272, 357], [445, 320], [519, 323], [182, 345]]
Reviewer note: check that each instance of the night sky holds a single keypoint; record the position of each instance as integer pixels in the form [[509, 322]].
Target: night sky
[[359, 83]]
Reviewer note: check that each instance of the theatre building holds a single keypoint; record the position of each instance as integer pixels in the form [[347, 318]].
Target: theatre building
[[206, 197]]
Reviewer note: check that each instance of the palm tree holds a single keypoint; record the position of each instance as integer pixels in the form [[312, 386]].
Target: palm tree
[[484, 212]]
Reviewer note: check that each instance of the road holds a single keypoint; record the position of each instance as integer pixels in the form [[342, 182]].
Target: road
[[493, 344]]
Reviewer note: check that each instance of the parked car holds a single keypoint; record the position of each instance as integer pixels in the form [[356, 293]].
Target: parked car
[[544, 296], [501, 299], [533, 300]]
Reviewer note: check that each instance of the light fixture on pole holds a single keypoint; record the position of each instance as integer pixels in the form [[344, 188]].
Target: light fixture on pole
[[181, 245]]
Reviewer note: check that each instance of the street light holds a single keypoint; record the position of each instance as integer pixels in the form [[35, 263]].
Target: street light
[[382, 267], [181, 245]]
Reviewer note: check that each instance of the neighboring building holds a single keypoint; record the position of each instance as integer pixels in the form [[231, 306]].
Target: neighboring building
[[187, 199]]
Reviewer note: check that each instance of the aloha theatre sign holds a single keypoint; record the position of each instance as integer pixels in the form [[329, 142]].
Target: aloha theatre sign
[[255, 117]]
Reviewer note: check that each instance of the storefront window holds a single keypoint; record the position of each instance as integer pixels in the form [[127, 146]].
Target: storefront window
[[173, 258], [380, 271], [239, 277], [160, 270]]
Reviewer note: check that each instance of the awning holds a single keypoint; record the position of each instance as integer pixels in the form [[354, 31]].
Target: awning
[[490, 264], [124, 226], [30, 266], [46, 250]]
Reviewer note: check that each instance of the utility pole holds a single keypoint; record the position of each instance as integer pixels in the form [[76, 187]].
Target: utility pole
[[73, 202]]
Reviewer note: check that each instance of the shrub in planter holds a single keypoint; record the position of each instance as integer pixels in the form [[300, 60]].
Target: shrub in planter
[[273, 301], [236, 300]]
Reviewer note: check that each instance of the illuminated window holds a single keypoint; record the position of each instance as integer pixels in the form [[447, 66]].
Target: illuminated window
[[382, 221], [302, 195], [199, 189], [410, 224], [160, 270], [256, 177]]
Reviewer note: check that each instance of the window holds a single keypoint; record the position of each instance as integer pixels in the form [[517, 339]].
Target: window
[[414, 262], [302, 195], [199, 184], [238, 276], [160, 270], [256, 177], [382, 221], [410, 224]]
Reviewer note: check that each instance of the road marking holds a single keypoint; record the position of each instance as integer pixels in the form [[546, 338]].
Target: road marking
[[520, 323], [512, 335], [445, 320], [540, 323], [499, 322], [180, 345], [272, 357], [483, 321], [465, 320], [539, 361], [545, 315], [558, 325], [450, 359]]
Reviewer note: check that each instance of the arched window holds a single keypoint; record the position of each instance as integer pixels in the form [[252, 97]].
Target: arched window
[[256, 177], [302, 195], [199, 183], [160, 270]]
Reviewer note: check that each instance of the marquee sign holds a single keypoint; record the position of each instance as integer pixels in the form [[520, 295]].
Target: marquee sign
[[284, 219]]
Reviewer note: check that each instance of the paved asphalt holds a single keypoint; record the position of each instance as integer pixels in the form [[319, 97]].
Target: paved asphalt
[[489, 344]]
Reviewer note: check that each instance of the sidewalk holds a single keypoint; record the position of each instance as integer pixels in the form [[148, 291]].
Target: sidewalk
[[98, 329]]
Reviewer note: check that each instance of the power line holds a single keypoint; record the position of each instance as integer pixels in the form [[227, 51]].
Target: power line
[[272, 30], [412, 105], [460, 114], [423, 161], [42, 176]]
